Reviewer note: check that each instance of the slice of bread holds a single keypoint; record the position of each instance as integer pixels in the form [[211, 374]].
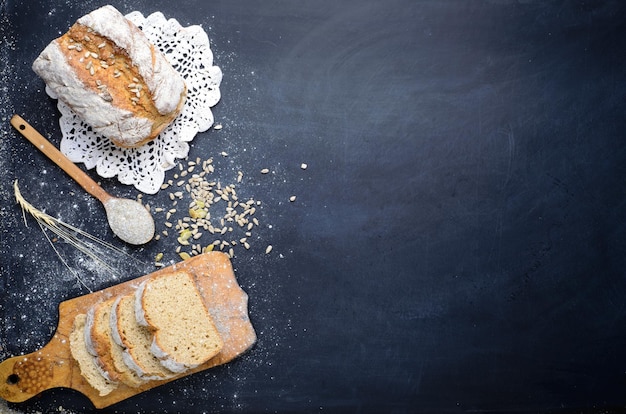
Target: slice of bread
[[172, 308], [118, 352], [136, 340], [108, 352], [87, 363], [96, 329]]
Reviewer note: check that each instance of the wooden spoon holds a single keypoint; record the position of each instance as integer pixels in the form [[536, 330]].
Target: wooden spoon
[[129, 220]]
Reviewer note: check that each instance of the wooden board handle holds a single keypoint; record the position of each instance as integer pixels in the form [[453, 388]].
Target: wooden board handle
[[59, 159], [23, 377]]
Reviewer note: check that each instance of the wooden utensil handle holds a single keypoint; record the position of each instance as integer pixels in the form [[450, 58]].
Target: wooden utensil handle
[[59, 159]]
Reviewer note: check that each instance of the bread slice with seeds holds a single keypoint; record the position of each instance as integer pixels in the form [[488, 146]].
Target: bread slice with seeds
[[88, 367], [172, 307]]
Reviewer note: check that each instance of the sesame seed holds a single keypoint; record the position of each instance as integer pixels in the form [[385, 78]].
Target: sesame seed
[[303, 166], [101, 45], [268, 249], [292, 198], [265, 171]]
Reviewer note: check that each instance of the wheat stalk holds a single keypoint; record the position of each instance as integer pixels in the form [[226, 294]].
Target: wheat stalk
[[77, 238]]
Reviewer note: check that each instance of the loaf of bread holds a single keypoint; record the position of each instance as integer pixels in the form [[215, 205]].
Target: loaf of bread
[[184, 336], [105, 69], [88, 366]]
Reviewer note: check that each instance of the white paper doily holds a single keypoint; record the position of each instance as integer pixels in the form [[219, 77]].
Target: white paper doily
[[188, 51]]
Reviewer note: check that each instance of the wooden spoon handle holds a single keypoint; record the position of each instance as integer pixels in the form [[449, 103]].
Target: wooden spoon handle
[[59, 159]]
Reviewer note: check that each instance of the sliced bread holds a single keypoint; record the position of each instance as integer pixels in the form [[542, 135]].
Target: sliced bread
[[97, 319], [172, 308], [86, 362], [136, 340], [108, 352]]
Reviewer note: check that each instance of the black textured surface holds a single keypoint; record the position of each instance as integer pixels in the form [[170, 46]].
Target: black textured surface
[[459, 239]]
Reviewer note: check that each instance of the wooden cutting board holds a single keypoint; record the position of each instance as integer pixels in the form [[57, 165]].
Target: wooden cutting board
[[25, 376]]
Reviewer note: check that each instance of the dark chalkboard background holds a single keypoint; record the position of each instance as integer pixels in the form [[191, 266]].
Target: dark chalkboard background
[[459, 238]]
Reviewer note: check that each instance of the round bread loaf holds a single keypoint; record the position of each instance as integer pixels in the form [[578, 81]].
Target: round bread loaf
[[106, 70]]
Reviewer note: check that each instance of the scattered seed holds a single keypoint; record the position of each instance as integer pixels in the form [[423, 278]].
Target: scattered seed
[[265, 171], [268, 249], [303, 166], [292, 198], [217, 126]]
